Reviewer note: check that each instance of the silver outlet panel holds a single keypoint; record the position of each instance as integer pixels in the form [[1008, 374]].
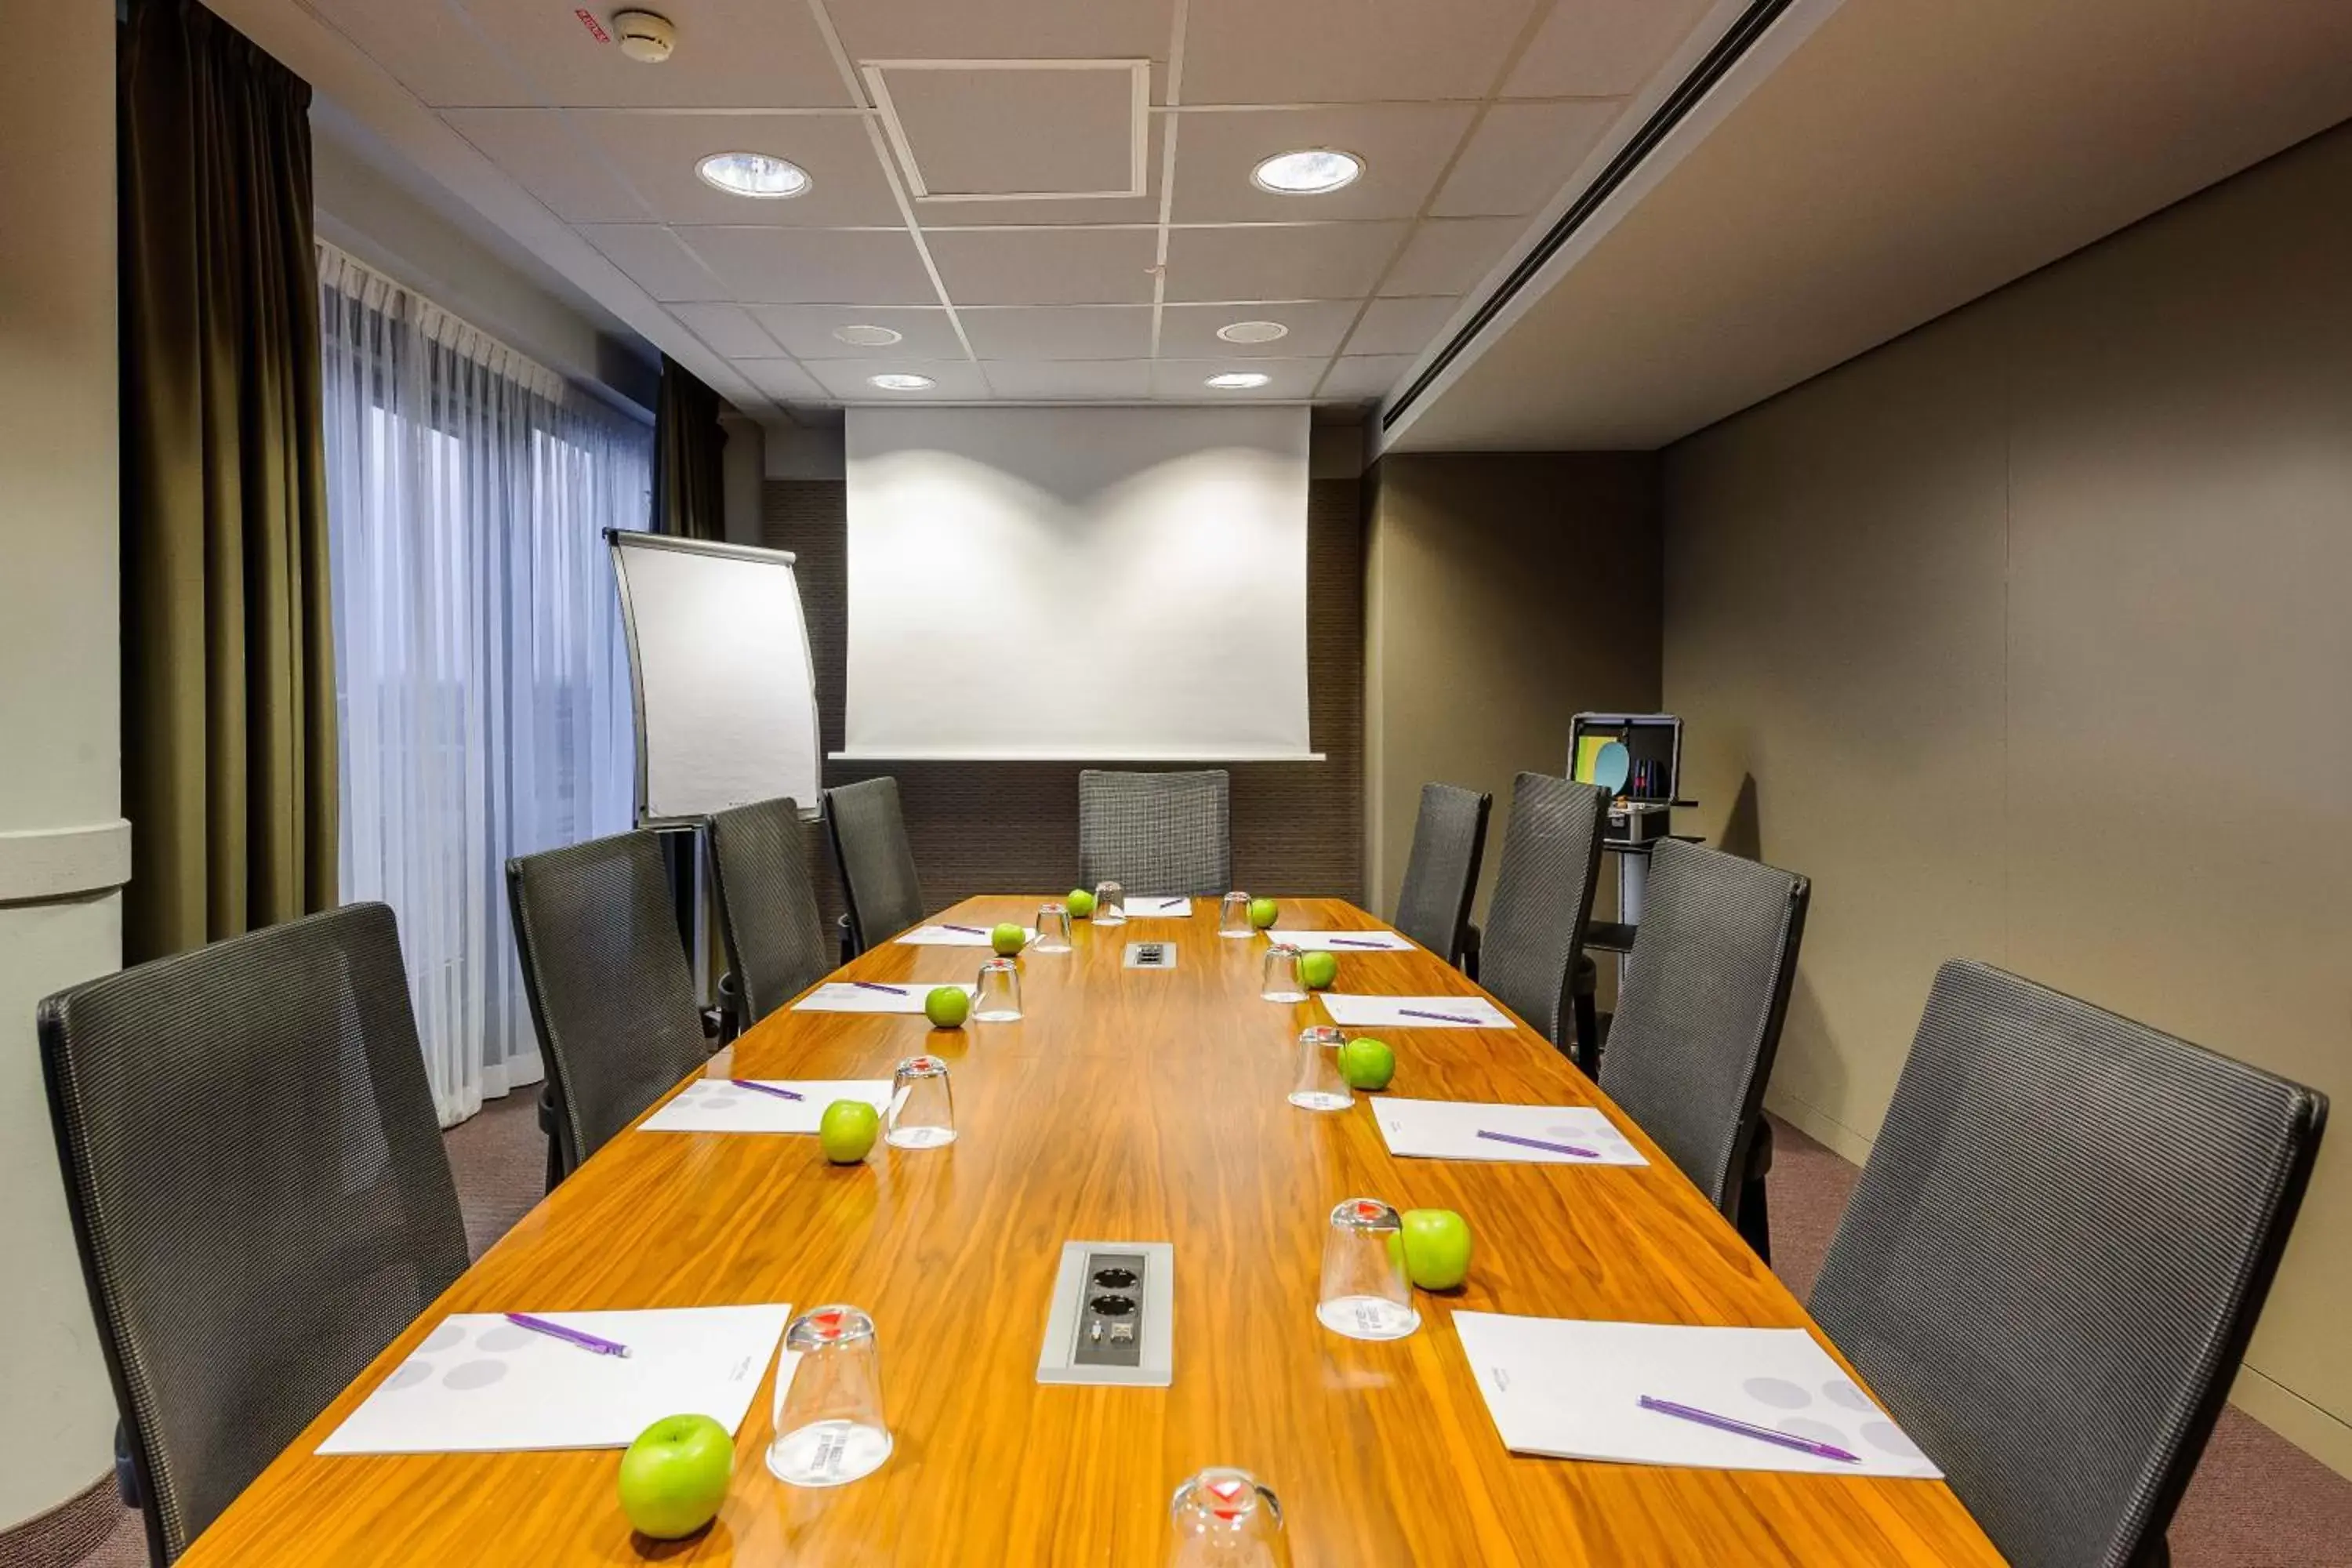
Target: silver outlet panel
[[1151, 955], [1113, 1317]]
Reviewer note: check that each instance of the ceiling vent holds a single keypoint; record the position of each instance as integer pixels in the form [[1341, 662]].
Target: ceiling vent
[[1008, 130]]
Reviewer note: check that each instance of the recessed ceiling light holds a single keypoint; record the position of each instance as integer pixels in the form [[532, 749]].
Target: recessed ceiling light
[[900, 381], [866, 337], [1253, 331], [754, 174], [1313, 173], [1238, 379]]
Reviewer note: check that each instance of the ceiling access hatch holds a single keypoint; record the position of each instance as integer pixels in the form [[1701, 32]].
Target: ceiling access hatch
[[1006, 131]]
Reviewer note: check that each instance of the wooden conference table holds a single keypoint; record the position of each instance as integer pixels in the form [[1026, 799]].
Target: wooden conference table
[[1127, 1105]]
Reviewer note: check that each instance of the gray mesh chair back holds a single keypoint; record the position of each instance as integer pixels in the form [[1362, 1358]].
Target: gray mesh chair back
[[611, 993], [2054, 1257], [1440, 874], [877, 864], [1159, 835], [767, 905], [1543, 896], [258, 1189], [1698, 1016]]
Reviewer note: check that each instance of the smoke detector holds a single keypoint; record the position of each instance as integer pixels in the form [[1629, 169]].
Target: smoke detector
[[643, 37]]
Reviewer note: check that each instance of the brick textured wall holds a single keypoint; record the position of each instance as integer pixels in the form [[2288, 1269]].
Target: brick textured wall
[[1013, 826]]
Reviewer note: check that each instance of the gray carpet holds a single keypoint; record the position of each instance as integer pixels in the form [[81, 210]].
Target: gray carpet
[[2257, 1501]]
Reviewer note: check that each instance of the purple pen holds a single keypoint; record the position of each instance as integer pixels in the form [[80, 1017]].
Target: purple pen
[[1579, 1153], [568, 1336], [968, 931], [1745, 1429], [1352, 942], [1443, 1017], [877, 985], [758, 1088]]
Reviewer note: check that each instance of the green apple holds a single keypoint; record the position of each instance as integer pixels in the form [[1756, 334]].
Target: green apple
[[675, 1475], [1317, 970], [1263, 913], [1008, 938], [845, 1131], [1081, 903], [1367, 1063], [1436, 1247], [946, 1006]]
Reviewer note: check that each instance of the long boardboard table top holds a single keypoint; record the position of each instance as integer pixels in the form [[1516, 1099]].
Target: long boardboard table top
[[1127, 1105]]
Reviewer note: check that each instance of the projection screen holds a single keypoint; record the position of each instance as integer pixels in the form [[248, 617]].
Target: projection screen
[[1100, 585]]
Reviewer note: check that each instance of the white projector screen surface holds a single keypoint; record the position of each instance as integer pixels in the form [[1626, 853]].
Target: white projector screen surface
[[726, 706], [1091, 585]]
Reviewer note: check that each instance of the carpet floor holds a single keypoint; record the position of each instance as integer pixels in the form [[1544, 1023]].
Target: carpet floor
[[2257, 1502]]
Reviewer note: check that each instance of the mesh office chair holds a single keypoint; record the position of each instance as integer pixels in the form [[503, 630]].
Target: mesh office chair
[[767, 909], [2055, 1254], [257, 1190], [876, 863], [1440, 875], [611, 993], [1699, 1019], [1157, 835], [1543, 899]]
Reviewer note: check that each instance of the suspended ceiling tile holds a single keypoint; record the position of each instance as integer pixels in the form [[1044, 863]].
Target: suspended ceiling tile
[[992, 30], [731, 54], [1365, 377], [807, 331], [957, 381], [1520, 156], [1287, 379], [657, 154], [547, 154], [782, 380], [1279, 261], [1452, 256], [430, 47], [815, 266], [656, 261], [1404, 147], [989, 132], [1346, 51], [1045, 266], [728, 329], [1601, 48], [1059, 332], [1400, 326], [1079, 379], [931, 212], [1189, 332]]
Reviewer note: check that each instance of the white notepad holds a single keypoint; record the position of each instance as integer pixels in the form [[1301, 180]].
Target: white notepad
[[1414, 1011], [1450, 1129], [478, 1384], [1572, 1389], [1343, 941], [1159, 908], [717, 1105], [957, 936], [874, 997]]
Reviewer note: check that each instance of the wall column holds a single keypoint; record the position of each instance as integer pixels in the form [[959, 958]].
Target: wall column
[[64, 848]]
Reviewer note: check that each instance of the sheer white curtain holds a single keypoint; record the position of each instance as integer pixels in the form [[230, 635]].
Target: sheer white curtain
[[482, 685]]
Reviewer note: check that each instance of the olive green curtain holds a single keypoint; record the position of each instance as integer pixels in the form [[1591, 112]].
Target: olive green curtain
[[689, 495], [228, 693]]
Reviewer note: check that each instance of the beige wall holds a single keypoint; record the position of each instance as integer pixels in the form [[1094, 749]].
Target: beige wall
[[2028, 638], [1503, 595], [64, 848]]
